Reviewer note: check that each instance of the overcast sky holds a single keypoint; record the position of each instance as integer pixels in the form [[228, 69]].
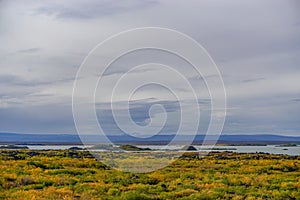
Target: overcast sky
[[255, 44]]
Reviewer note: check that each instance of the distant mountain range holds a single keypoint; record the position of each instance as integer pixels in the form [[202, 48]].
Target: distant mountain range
[[17, 138]]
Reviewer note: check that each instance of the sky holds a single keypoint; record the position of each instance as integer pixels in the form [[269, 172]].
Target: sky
[[254, 43]]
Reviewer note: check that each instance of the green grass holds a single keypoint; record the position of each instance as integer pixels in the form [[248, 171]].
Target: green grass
[[25, 174]]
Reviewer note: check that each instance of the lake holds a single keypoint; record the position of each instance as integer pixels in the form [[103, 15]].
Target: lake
[[273, 149]]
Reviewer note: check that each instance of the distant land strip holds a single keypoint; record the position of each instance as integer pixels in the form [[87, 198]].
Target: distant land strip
[[163, 139]]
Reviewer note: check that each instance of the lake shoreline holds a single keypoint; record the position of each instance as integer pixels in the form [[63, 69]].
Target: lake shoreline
[[271, 149]]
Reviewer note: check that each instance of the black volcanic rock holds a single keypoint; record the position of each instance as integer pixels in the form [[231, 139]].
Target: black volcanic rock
[[128, 147], [75, 148], [189, 148]]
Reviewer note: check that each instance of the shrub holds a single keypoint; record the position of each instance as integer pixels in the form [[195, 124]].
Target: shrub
[[27, 181], [37, 164], [113, 192]]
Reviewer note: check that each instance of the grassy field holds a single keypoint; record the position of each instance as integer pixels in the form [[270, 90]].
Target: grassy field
[[26, 174]]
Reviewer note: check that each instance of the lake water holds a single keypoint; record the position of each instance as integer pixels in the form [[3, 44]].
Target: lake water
[[240, 149], [54, 147], [295, 151]]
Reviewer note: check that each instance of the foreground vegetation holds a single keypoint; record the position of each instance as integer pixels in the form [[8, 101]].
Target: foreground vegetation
[[26, 174]]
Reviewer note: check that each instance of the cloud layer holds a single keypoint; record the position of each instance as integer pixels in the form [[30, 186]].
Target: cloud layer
[[255, 44]]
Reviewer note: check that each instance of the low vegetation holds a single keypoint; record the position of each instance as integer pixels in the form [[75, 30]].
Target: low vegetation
[[26, 174]]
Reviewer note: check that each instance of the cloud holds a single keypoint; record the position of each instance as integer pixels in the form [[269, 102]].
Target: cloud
[[118, 71], [15, 91], [94, 9], [31, 50], [6, 79], [138, 109], [258, 57], [37, 119], [253, 80]]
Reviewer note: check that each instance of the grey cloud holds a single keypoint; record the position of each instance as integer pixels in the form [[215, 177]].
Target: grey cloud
[[92, 9], [16, 91], [263, 120], [4, 79], [202, 79], [19, 95], [12, 80], [253, 80], [22, 95], [31, 50], [37, 119], [114, 71], [139, 112], [204, 101], [263, 115]]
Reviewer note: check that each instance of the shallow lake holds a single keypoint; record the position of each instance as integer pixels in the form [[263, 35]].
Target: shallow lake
[[273, 149]]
